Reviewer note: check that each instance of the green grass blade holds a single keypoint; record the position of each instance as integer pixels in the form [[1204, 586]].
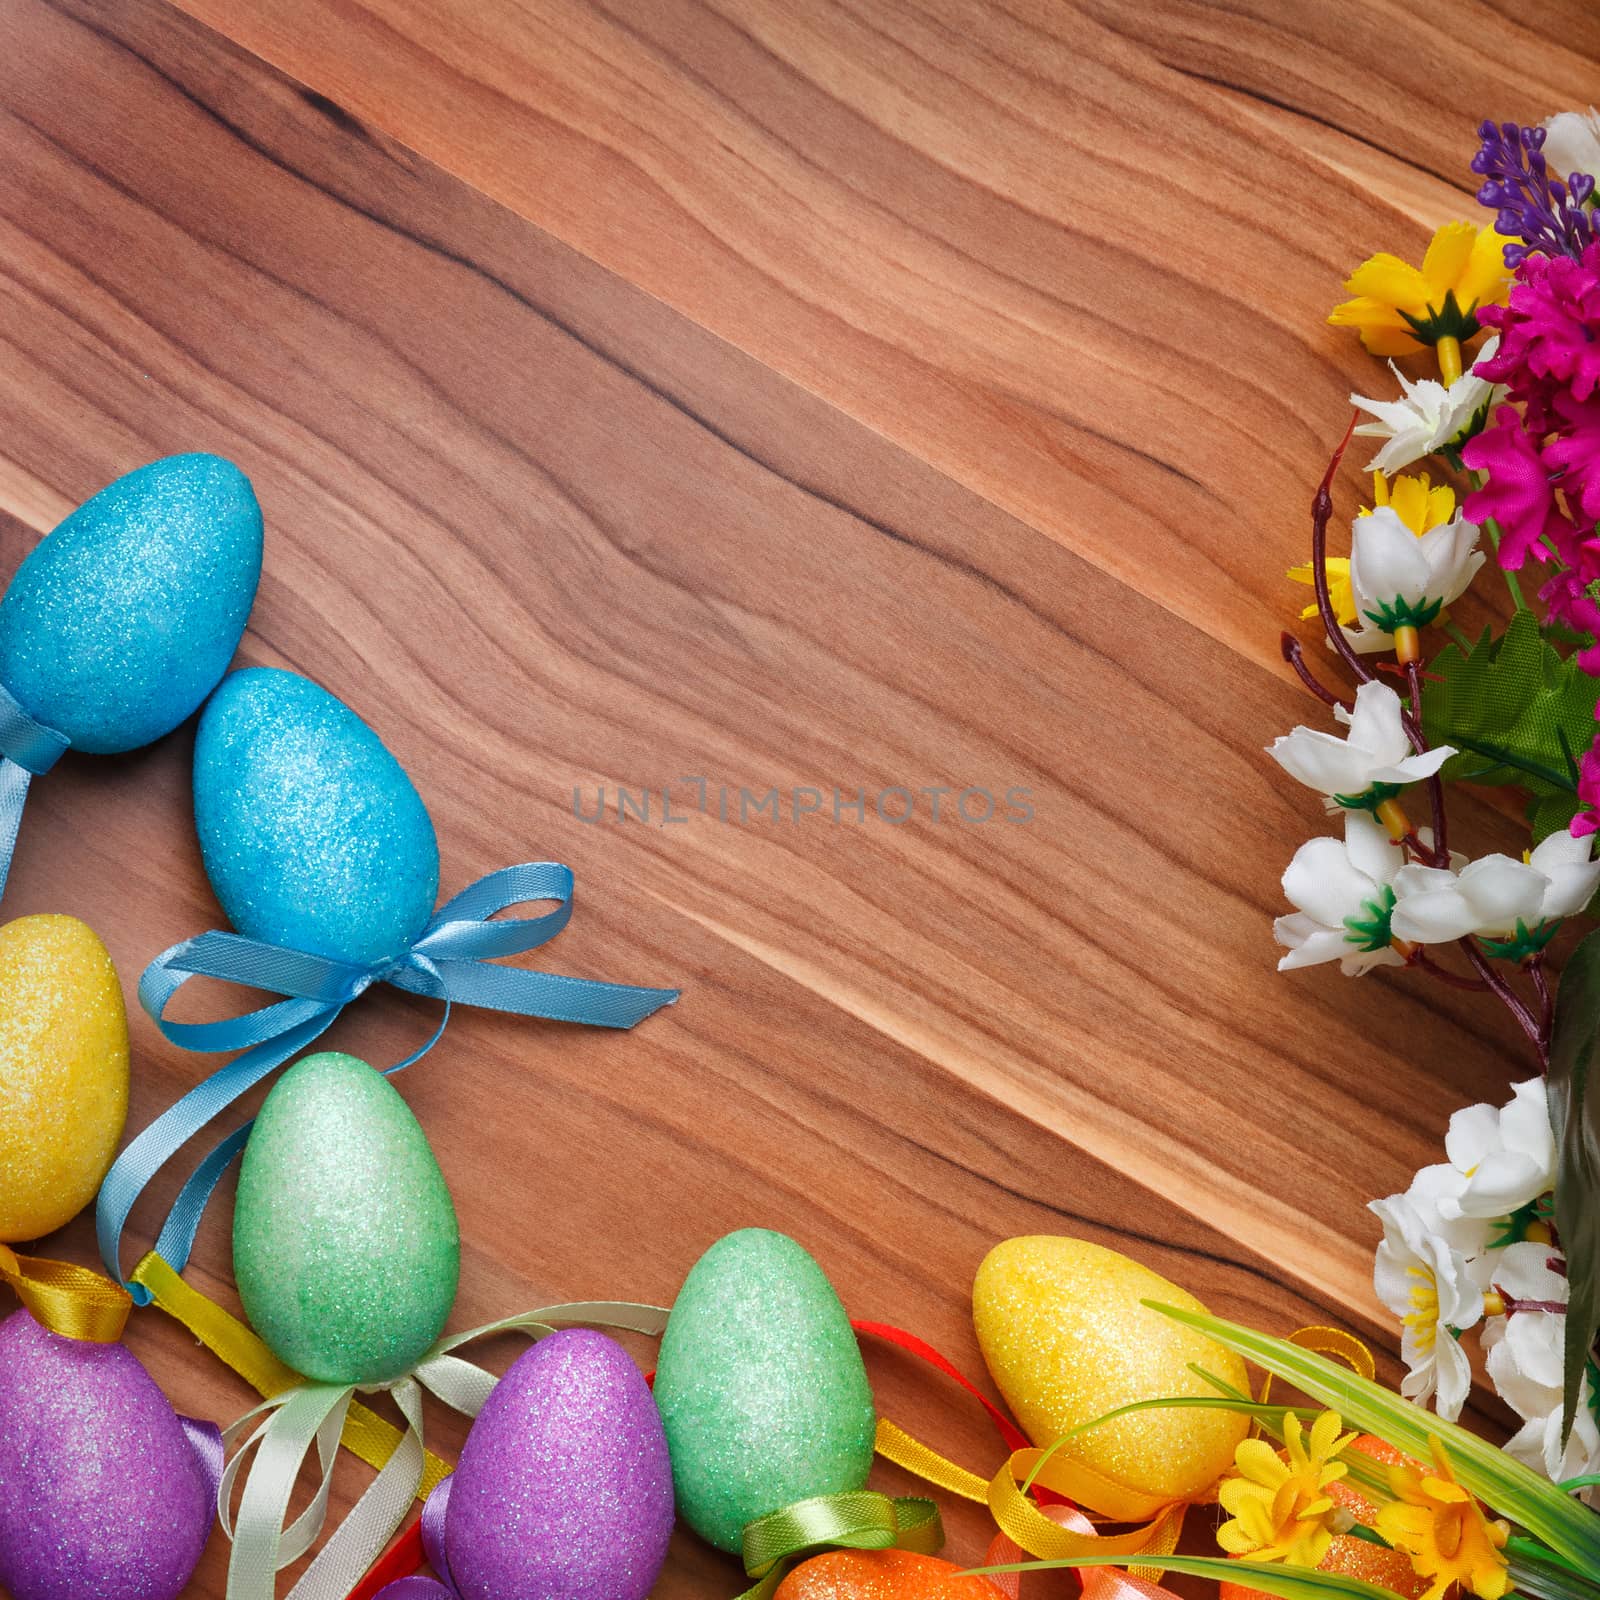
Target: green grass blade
[[1287, 1583], [1567, 1527]]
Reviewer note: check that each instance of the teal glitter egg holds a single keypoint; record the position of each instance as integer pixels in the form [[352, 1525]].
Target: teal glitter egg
[[312, 834], [345, 1245], [120, 622], [761, 1387]]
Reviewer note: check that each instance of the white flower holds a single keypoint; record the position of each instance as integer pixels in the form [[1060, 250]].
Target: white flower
[[1492, 895], [1506, 1158], [1525, 1353], [1435, 1195], [1430, 1287], [1376, 750], [1392, 568], [1332, 883], [1427, 417], [1573, 875], [1572, 143]]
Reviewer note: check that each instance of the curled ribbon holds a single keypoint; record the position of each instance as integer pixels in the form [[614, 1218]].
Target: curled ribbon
[[452, 959], [289, 1423], [65, 1299], [28, 750], [859, 1519]]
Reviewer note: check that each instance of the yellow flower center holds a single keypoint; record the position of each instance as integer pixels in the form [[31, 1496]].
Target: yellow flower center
[[1423, 1317]]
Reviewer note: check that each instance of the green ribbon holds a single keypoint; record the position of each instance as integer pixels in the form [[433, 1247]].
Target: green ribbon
[[859, 1519]]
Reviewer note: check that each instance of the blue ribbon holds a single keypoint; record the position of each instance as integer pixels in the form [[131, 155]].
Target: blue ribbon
[[451, 960], [27, 750]]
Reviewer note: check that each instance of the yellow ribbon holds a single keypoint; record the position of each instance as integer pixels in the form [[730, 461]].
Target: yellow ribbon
[[71, 1301], [1019, 1518], [1022, 1521], [365, 1433]]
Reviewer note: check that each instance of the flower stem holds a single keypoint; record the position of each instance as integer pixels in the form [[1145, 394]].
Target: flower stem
[[1508, 998], [1422, 960], [1413, 726], [1321, 514], [1294, 654], [1448, 352]]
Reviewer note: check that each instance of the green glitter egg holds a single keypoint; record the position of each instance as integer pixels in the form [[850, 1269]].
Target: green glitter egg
[[345, 1245], [761, 1387]]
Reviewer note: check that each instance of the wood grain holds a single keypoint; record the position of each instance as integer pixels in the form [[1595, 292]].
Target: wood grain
[[843, 397]]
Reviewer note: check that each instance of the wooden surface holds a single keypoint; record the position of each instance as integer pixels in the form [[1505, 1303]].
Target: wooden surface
[[884, 393]]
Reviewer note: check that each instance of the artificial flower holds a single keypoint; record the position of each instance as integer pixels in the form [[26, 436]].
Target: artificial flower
[[1430, 1287], [1375, 752], [1587, 821], [1496, 896], [1572, 143], [1279, 1504], [1525, 1349], [1397, 306], [1533, 208], [1429, 416], [1340, 595], [1547, 332], [1418, 502], [1401, 581], [1443, 1529], [1506, 1156], [1343, 899], [1519, 496], [1435, 1196]]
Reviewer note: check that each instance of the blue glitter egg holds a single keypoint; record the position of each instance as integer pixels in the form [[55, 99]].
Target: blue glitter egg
[[119, 623], [312, 834]]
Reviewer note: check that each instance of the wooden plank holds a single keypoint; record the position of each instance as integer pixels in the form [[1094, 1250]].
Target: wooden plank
[[1076, 256], [547, 533]]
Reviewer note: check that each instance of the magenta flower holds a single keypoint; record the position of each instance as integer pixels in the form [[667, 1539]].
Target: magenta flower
[[1573, 455], [1518, 494], [1588, 821], [1549, 334]]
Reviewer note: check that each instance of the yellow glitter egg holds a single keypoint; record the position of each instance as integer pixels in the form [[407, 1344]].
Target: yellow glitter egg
[[1066, 1339], [63, 1072]]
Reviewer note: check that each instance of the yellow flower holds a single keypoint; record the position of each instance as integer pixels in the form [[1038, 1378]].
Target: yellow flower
[[1398, 306], [1281, 1508], [1419, 504], [1444, 1531]]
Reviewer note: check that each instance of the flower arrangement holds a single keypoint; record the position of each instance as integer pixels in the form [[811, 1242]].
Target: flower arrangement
[[1503, 1236]]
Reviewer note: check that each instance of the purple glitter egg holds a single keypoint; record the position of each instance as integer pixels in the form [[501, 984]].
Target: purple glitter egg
[[564, 1488], [102, 1496]]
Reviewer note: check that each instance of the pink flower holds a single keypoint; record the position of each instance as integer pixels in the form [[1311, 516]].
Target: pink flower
[[1518, 495], [1549, 334], [1587, 822], [1574, 453]]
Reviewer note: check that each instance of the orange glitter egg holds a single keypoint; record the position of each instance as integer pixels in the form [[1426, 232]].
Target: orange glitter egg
[[1349, 1557], [881, 1575]]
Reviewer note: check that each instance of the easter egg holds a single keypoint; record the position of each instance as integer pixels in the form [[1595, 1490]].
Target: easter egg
[[761, 1387], [311, 832], [1348, 1556], [345, 1245], [1067, 1340], [120, 622], [881, 1575], [63, 1072], [103, 1495], [564, 1488]]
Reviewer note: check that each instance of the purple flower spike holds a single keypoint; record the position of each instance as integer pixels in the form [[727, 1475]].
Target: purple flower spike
[[1545, 215]]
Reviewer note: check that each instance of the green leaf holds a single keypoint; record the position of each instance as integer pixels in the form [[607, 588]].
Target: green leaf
[[1288, 1583], [1516, 711], [1569, 1529], [1576, 1122]]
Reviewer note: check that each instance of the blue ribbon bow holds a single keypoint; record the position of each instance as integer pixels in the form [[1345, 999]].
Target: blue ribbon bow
[[28, 749], [451, 960]]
